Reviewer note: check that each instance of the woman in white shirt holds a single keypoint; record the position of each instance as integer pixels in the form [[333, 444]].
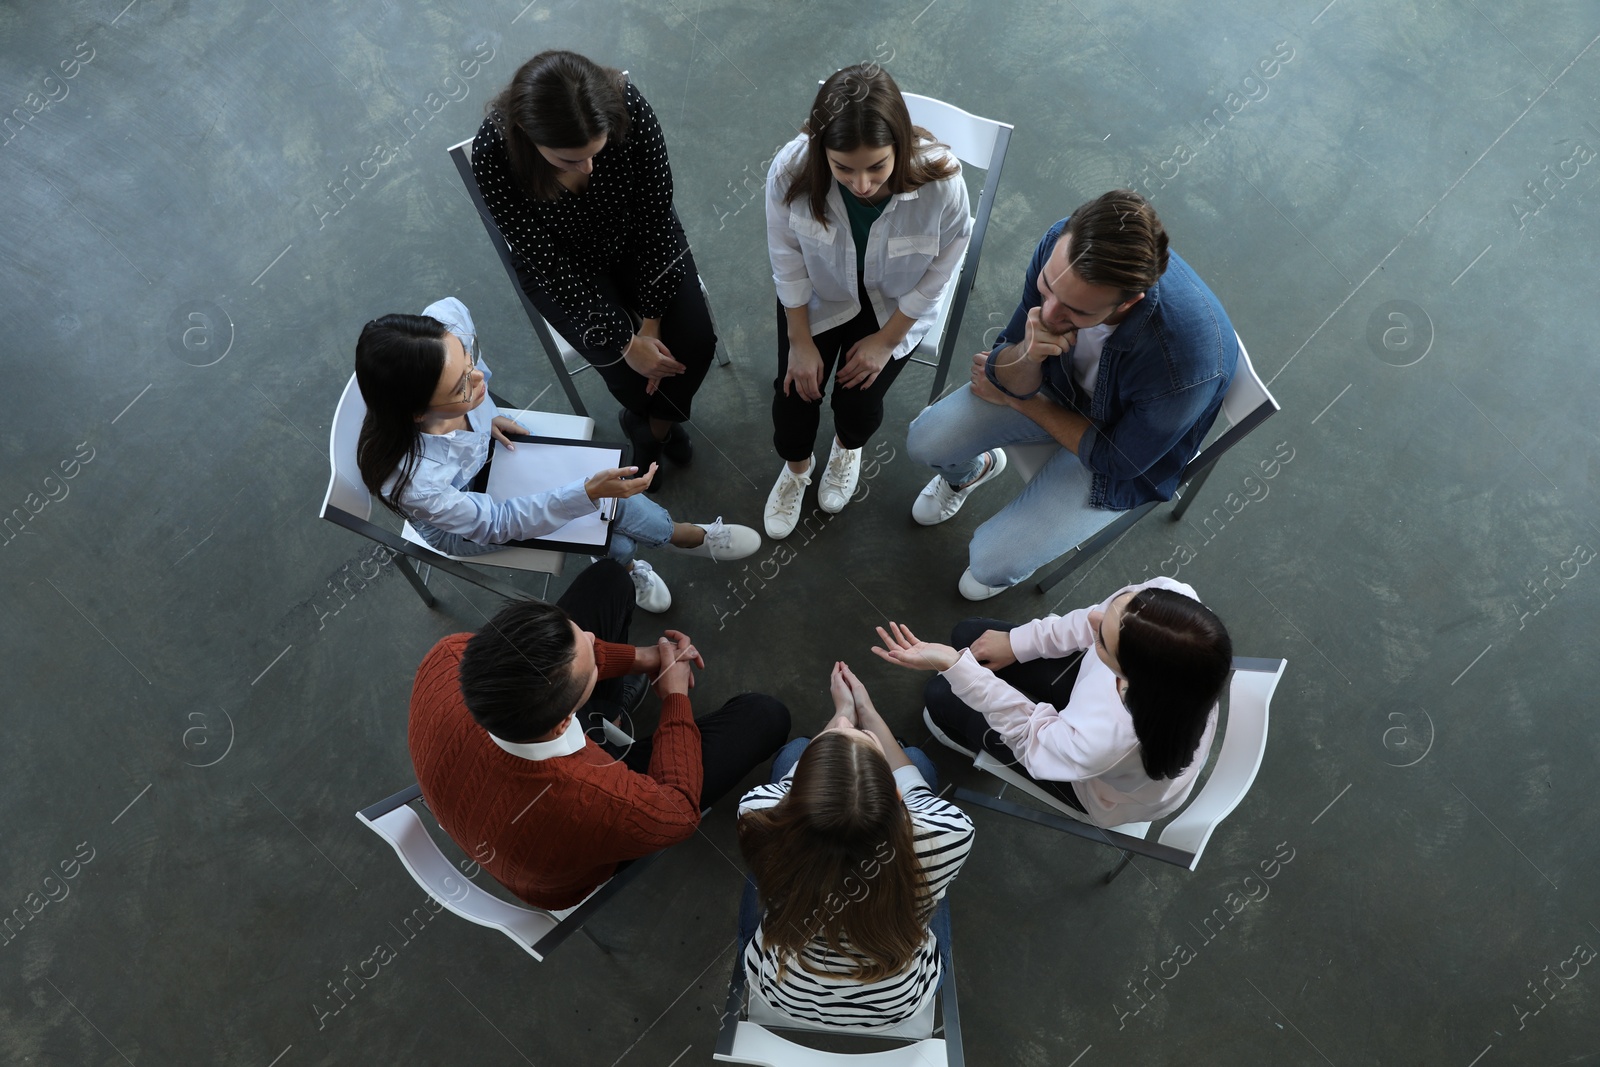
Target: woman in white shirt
[[425, 444], [845, 922], [1126, 729], [867, 221]]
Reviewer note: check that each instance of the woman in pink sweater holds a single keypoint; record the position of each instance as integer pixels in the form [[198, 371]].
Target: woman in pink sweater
[[1126, 730]]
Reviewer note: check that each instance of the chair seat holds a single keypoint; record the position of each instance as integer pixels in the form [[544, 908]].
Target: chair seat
[[986, 762], [754, 1045]]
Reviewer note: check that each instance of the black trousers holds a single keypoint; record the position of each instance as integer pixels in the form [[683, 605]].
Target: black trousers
[[857, 413], [686, 330], [1046, 680], [734, 740]]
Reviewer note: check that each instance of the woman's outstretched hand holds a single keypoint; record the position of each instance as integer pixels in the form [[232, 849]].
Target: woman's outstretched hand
[[618, 482], [902, 646]]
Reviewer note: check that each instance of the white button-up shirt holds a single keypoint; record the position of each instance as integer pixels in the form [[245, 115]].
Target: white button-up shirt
[[913, 250], [436, 495]]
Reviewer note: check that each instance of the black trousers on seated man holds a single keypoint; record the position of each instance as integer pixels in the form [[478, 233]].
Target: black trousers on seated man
[[1045, 680], [742, 734]]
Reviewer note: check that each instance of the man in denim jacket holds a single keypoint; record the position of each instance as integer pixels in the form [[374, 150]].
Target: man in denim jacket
[[1118, 353]]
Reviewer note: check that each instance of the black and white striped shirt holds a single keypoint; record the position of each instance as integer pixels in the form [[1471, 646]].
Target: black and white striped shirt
[[943, 835], [621, 224]]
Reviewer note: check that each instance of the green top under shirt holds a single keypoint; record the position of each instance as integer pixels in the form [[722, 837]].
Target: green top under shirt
[[862, 216]]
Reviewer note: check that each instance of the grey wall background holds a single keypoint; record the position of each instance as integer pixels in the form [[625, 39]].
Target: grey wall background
[[200, 689]]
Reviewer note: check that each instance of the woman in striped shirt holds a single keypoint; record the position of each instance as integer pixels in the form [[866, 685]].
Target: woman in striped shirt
[[852, 853]]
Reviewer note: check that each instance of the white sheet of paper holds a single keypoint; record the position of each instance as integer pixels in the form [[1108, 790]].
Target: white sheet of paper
[[540, 466]]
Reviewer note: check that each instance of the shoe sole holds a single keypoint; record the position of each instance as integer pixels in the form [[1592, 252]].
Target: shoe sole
[[943, 738]]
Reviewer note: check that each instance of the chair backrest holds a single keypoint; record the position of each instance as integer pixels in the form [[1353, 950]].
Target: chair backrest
[[346, 491], [1243, 745], [971, 137], [402, 827], [762, 1012], [1246, 405]]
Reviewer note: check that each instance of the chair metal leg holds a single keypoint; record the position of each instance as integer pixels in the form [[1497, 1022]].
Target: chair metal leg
[[1127, 858], [416, 581], [1188, 491], [596, 942], [553, 351], [1101, 539]]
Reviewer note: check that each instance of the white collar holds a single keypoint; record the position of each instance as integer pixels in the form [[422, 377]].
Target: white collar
[[572, 740]]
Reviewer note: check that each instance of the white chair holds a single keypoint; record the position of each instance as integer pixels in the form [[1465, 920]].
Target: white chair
[[749, 1021], [535, 930], [347, 502], [1182, 840], [976, 142], [565, 360], [1246, 405]]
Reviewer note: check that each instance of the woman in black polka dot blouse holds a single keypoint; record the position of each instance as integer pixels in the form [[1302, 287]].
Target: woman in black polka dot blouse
[[574, 170]]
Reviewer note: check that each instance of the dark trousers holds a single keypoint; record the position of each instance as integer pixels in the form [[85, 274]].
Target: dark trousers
[[1045, 680], [686, 330], [734, 739], [857, 413]]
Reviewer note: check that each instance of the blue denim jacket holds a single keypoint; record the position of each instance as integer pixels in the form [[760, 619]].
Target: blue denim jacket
[[1163, 373]]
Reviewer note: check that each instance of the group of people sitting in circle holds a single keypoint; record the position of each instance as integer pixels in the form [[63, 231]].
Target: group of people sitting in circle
[[1117, 353]]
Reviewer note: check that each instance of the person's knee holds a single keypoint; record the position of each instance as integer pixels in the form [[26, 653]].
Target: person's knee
[[969, 630], [611, 577], [766, 717], [922, 443], [939, 699]]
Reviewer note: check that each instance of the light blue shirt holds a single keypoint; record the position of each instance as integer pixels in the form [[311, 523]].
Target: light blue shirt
[[436, 500]]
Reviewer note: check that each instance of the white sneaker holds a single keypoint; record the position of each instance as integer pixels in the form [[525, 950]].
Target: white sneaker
[[783, 503], [650, 593], [839, 479], [973, 589], [724, 541], [937, 501], [944, 738]]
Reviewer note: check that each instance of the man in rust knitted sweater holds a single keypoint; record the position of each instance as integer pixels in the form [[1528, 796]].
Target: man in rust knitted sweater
[[507, 740]]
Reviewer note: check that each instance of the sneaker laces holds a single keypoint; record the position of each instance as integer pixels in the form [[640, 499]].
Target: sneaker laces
[[839, 465], [718, 536], [640, 574], [790, 489]]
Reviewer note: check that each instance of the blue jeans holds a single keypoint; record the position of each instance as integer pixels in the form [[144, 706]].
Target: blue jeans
[[1052, 513], [750, 900], [639, 521]]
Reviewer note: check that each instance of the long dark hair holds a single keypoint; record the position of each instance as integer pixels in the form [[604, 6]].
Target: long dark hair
[[560, 100], [398, 362], [835, 859], [1175, 654], [861, 106]]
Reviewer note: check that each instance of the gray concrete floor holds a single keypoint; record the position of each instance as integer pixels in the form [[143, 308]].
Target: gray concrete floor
[[193, 717]]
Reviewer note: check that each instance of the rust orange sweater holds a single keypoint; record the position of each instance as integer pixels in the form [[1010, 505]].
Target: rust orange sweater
[[549, 830]]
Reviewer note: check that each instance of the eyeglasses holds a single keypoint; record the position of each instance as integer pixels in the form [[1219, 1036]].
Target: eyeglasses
[[472, 365]]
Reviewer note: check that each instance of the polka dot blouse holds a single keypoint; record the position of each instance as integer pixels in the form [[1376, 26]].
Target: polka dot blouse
[[621, 224]]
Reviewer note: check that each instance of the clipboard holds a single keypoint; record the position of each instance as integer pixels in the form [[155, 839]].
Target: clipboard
[[546, 463]]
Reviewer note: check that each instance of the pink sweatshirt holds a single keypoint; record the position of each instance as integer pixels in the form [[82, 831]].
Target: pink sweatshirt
[[1090, 742]]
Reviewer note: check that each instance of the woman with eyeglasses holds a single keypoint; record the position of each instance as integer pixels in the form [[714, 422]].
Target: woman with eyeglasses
[[573, 167], [867, 222], [844, 921], [1122, 734], [427, 435]]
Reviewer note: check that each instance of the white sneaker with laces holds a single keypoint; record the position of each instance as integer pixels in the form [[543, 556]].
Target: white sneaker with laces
[[650, 593], [973, 589], [938, 502], [839, 479], [724, 541], [783, 503]]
